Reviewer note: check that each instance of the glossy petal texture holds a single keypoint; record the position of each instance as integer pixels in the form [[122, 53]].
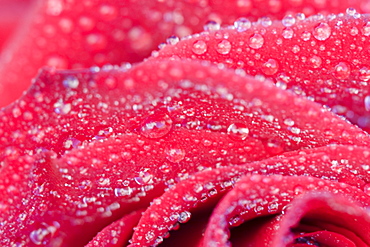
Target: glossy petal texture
[[204, 189], [185, 140], [324, 58], [64, 110], [255, 195], [93, 32]]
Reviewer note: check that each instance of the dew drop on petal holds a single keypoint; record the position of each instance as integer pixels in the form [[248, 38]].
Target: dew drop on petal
[[288, 33], [238, 131], [265, 21], [351, 11], [342, 71], [242, 24], [71, 82], [315, 61], [288, 21], [366, 29], [322, 31], [211, 26], [172, 40], [175, 155], [364, 74], [184, 217], [270, 67], [43, 234], [306, 35], [156, 126], [256, 41], [223, 47], [367, 103], [274, 146], [199, 47]]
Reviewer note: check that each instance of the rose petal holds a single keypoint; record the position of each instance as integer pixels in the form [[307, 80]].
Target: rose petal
[[324, 58], [255, 196], [64, 110], [118, 233], [190, 195], [90, 34], [340, 222]]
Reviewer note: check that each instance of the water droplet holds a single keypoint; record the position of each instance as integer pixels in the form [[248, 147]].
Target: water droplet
[[342, 71], [96, 42], [61, 108], [256, 41], [288, 33], [212, 26], [108, 12], [242, 24], [144, 178], [366, 29], [322, 31], [184, 217], [315, 62], [175, 155], [265, 21], [44, 233], [71, 82], [353, 31], [270, 67], [288, 21], [149, 235], [274, 146], [273, 207], [367, 103], [156, 126], [364, 74], [238, 131], [351, 11], [306, 35], [296, 49], [367, 189], [172, 40], [199, 47], [119, 192], [223, 47], [54, 7]]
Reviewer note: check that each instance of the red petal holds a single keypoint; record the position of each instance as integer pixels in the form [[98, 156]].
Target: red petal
[[118, 233], [256, 196], [64, 110], [337, 222], [81, 34], [325, 58], [190, 195]]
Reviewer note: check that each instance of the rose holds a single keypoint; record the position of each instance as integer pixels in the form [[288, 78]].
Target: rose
[[89, 147]]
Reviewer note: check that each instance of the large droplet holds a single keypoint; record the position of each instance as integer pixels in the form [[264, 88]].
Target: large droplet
[[199, 47], [223, 47], [322, 31], [288, 21], [238, 131], [270, 67], [256, 41], [242, 24], [156, 126], [342, 71]]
